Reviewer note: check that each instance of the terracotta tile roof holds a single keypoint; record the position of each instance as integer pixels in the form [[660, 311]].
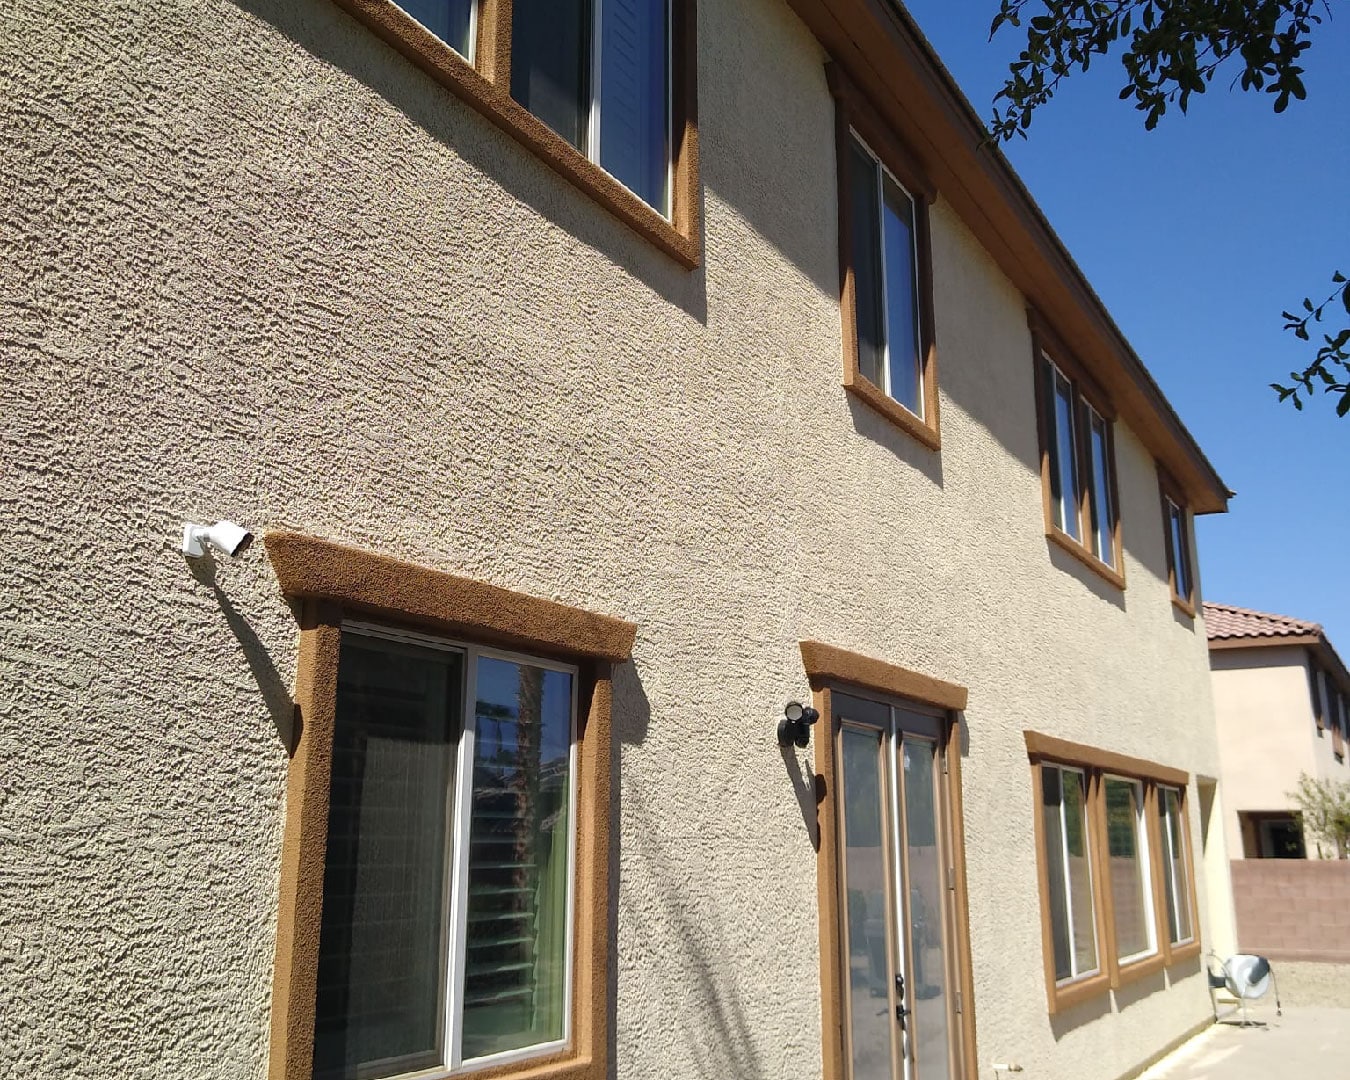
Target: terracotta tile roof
[[1225, 622]]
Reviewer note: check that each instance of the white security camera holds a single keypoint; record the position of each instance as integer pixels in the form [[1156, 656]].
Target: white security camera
[[224, 536]]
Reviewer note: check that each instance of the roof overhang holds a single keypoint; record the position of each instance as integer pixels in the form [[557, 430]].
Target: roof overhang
[[887, 56]]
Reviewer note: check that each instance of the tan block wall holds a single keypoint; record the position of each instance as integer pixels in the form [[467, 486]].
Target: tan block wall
[[260, 267], [1293, 909]]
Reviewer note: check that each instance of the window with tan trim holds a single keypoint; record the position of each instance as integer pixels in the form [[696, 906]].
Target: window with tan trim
[[444, 892], [1078, 460], [886, 278], [602, 90], [1117, 879], [1177, 533]]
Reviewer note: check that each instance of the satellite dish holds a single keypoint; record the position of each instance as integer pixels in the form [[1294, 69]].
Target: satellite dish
[[1248, 978]]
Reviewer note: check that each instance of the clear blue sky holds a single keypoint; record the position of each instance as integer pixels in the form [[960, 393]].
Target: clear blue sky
[[1196, 235]]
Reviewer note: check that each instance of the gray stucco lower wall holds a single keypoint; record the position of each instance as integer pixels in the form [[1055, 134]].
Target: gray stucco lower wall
[[257, 266]]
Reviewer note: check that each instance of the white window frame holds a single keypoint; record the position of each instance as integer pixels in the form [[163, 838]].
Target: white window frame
[[914, 267], [1063, 855], [453, 964], [1180, 898], [1143, 855]]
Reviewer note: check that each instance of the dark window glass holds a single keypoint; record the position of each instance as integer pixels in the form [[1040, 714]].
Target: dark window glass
[[1099, 495], [1063, 459], [1180, 550], [382, 937], [515, 991], [551, 63], [449, 20], [634, 97], [864, 207], [902, 311]]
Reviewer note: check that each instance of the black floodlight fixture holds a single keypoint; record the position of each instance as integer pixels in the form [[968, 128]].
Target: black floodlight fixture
[[795, 727]]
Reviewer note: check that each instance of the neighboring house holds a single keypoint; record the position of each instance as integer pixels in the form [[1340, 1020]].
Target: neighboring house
[[1282, 703], [597, 388]]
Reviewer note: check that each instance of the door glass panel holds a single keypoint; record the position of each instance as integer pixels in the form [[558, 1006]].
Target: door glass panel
[[926, 993], [870, 1021]]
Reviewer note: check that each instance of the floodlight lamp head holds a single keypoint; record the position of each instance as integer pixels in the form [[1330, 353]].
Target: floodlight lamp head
[[224, 536], [795, 727]]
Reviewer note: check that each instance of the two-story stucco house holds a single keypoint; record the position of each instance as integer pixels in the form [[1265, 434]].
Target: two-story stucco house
[[598, 378], [1282, 705]]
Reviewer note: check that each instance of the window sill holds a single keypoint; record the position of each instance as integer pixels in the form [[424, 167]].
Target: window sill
[[1138, 969], [1183, 605], [872, 395], [1177, 954], [558, 1068], [1063, 997], [1059, 537], [678, 238]]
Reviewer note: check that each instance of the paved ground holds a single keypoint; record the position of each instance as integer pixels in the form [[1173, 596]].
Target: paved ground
[[1306, 1043]]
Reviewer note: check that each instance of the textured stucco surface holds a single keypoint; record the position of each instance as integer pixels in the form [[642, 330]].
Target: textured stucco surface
[[1267, 733], [255, 265]]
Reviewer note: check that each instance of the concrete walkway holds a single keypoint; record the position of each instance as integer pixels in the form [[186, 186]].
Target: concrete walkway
[[1306, 1043]]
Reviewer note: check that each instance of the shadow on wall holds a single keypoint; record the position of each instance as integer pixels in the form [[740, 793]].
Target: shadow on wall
[[276, 693], [331, 35]]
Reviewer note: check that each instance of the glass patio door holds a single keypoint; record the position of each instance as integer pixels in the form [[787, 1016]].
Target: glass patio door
[[896, 877]]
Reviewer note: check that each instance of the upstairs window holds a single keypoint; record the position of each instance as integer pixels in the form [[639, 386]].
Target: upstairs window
[[885, 268], [1176, 527], [1077, 464], [602, 90], [597, 72]]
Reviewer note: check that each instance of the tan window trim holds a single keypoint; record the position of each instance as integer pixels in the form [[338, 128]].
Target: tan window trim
[[1098, 763], [329, 581], [827, 667], [1168, 488], [826, 664], [485, 86], [853, 111], [1046, 344]]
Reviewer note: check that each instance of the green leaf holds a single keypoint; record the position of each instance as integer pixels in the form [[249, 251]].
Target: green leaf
[[1343, 406]]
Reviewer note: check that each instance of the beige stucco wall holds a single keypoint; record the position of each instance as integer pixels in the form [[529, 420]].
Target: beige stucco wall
[[1267, 732], [257, 266]]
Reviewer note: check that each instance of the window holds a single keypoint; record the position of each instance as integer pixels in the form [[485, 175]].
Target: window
[[447, 877], [1176, 529], [602, 90], [886, 296], [1116, 872], [598, 74], [1318, 699], [1068, 865], [1127, 850], [1175, 861], [1275, 835], [1179, 557], [445, 826], [1077, 461]]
